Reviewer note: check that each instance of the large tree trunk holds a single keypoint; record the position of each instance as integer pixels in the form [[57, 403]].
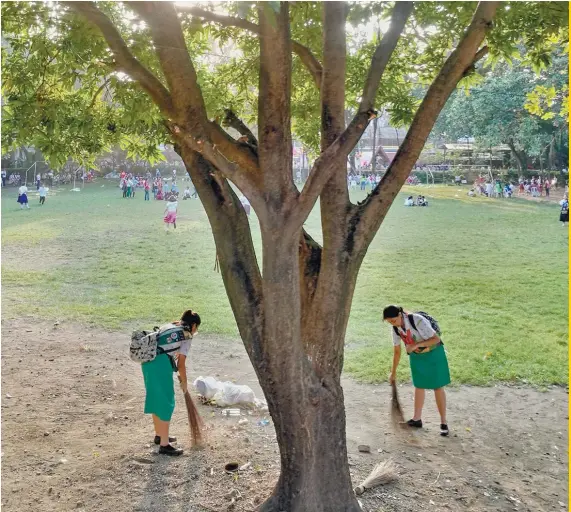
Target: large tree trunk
[[307, 410], [314, 473]]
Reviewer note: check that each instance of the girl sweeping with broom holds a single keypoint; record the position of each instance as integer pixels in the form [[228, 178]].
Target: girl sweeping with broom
[[428, 363], [173, 347]]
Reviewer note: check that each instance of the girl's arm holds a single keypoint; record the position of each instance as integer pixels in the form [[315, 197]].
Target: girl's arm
[[396, 360], [435, 340], [181, 366]]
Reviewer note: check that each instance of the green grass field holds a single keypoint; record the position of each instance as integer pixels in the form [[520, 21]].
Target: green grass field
[[493, 272]]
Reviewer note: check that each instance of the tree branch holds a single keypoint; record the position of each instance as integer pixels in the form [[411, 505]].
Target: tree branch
[[303, 52], [274, 106], [175, 61], [98, 92], [383, 52], [231, 120], [342, 146], [480, 54], [372, 211], [234, 247], [179, 71], [125, 59], [244, 181]]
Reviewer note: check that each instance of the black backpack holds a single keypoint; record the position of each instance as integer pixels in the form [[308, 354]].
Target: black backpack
[[433, 322]]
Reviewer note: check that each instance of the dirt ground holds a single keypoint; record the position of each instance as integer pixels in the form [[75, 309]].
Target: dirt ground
[[74, 437]]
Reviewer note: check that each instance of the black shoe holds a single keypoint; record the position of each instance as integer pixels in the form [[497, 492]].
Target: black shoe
[[170, 450], [158, 440], [414, 423], [444, 430]]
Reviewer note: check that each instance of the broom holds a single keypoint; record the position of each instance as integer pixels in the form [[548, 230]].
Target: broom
[[397, 414], [383, 473], [194, 421]]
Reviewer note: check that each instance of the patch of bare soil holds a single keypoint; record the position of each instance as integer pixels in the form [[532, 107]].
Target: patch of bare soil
[[74, 437]]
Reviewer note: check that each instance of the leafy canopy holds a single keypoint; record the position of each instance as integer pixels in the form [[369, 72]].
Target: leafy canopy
[[64, 95], [512, 105]]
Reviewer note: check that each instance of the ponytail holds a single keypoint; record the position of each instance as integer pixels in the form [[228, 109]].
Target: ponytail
[[189, 318]]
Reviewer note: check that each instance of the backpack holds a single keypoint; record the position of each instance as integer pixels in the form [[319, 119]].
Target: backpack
[[146, 345], [433, 322]]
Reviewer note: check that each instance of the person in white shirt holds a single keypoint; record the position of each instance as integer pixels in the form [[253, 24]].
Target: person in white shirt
[[186, 194], [38, 180], [23, 197], [489, 189], [428, 362], [3, 178], [409, 201], [43, 193], [170, 212]]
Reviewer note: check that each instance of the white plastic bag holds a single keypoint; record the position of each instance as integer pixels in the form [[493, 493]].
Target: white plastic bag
[[208, 386], [234, 394], [226, 393]]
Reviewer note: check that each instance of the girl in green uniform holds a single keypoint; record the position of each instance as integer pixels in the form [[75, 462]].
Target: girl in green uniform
[[428, 363], [174, 341]]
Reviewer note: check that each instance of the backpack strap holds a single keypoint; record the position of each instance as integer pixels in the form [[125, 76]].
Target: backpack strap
[[411, 320]]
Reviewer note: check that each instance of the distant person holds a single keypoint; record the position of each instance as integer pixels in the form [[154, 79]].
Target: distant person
[[3, 177], [186, 194], [428, 363], [489, 189], [170, 212], [421, 201], [43, 193], [409, 201], [564, 215], [23, 197], [547, 185], [38, 181], [471, 192], [147, 186]]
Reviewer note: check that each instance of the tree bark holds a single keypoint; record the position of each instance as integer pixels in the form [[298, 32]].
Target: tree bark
[[312, 437], [383, 154], [374, 151], [234, 247]]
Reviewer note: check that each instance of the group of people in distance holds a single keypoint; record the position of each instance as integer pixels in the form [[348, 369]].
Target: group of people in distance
[[420, 201], [23, 195], [363, 181]]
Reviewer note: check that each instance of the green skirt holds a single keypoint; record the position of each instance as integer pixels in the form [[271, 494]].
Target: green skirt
[[159, 385], [430, 370]]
